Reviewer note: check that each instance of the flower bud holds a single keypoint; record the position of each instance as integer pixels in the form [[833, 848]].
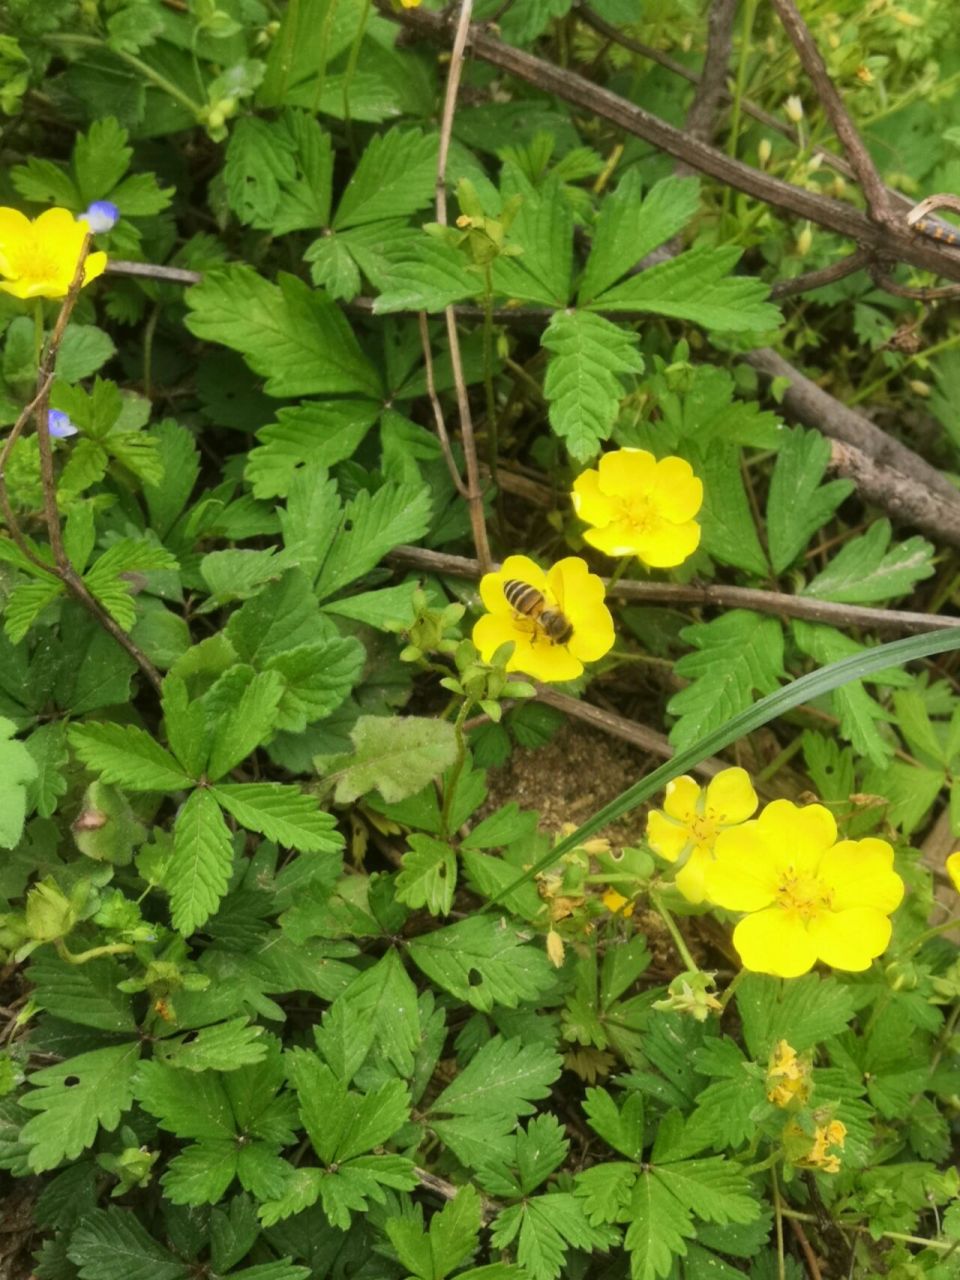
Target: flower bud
[[920, 388], [555, 949], [764, 152], [49, 913], [794, 109], [804, 241]]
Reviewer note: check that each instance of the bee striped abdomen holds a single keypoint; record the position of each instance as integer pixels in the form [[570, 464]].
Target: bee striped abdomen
[[524, 598], [529, 602]]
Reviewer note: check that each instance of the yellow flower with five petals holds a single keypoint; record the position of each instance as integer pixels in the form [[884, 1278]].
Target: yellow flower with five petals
[[806, 896], [691, 819], [39, 259], [569, 588], [638, 506]]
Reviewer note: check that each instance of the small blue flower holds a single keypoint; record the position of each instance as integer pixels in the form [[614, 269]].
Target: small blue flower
[[59, 425], [101, 216]]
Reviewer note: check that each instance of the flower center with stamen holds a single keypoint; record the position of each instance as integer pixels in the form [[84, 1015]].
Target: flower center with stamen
[[640, 512], [805, 894], [32, 260], [703, 829]]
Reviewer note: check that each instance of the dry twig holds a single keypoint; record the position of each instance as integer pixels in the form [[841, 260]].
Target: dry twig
[[716, 594]]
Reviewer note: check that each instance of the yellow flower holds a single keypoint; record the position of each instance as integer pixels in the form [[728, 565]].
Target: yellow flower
[[568, 589], [953, 869], [691, 820], [639, 506], [788, 1077], [409, 4], [39, 259], [807, 897]]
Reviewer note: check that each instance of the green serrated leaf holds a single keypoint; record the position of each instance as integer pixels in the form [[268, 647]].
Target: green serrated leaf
[[582, 383], [395, 756], [112, 1244], [281, 812], [868, 570], [737, 653], [428, 877], [289, 334], [394, 177], [128, 757], [798, 505], [201, 864], [76, 1098]]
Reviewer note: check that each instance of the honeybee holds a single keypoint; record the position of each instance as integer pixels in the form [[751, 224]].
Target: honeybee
[[530, 602]]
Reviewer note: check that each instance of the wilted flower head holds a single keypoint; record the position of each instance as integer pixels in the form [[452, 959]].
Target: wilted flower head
[[691, 819], [833, 1134], [691, 993], [39, 259], [557, 624], [807, 897], [639, 506], [788, 1076], [101, 216]]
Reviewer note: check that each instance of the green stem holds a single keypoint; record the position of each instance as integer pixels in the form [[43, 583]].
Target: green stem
[[81, 957], [778, 761], [456, 769], [778, 1213], [675, 933], [323, 44], [619, 571], [943, 1246], [493, 443], [731, 990], [746, 30], [351, 71], [161, 82], [866, 392]]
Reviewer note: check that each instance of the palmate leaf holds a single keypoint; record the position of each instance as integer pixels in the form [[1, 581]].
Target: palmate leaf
[[383, 999], [737, 653], [26, 602], [394, 177], [868, 570], [412, 270], [548, 1226], [483, 961], [504, 1078], [396, 756], [582, 383], [202, 860], [808, 1010], [105, 580], [317, 678], [288, 333], [112, 1244], [543, 229], [315, 433], [370, 526], [227, 1046], [451, 1239], [630, 226], [75, 1098], [281, 812], [697, 286], [85, 994], [429, 875], [243, 707], [729, 531], [127, 757], [659, 1227]]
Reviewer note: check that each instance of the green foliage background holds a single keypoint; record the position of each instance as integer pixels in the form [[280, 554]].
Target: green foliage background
[[279, 1000]]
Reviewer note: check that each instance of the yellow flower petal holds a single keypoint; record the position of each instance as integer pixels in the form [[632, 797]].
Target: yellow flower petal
[[552, 663], [590, 503], [490, 632], [953, 869], [579, 595], [798, 836], [678, 492], [731, 797], [613, 901], [13, 225], [667, 545], [775, 941], [94, 266], [850, 939], [680, 798], [519, 567], [618, 538], [691, 879], [665, 837], [861, 874], [742, 875], [627, 473]]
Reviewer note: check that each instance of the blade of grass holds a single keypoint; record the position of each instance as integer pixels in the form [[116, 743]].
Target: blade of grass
[[813, 685]]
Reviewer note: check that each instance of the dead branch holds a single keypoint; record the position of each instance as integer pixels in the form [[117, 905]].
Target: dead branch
[[715, 594]]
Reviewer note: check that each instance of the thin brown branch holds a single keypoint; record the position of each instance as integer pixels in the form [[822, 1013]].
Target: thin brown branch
[[916, 293], [811, 280], [638, 735], [895, 241], [449, 1191], [474, 489], [716, 594], [438, 417], [40, 407], [813, 1266], [861, 161], [701, 121], [153, 271], [6, 506], [897, 479]]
